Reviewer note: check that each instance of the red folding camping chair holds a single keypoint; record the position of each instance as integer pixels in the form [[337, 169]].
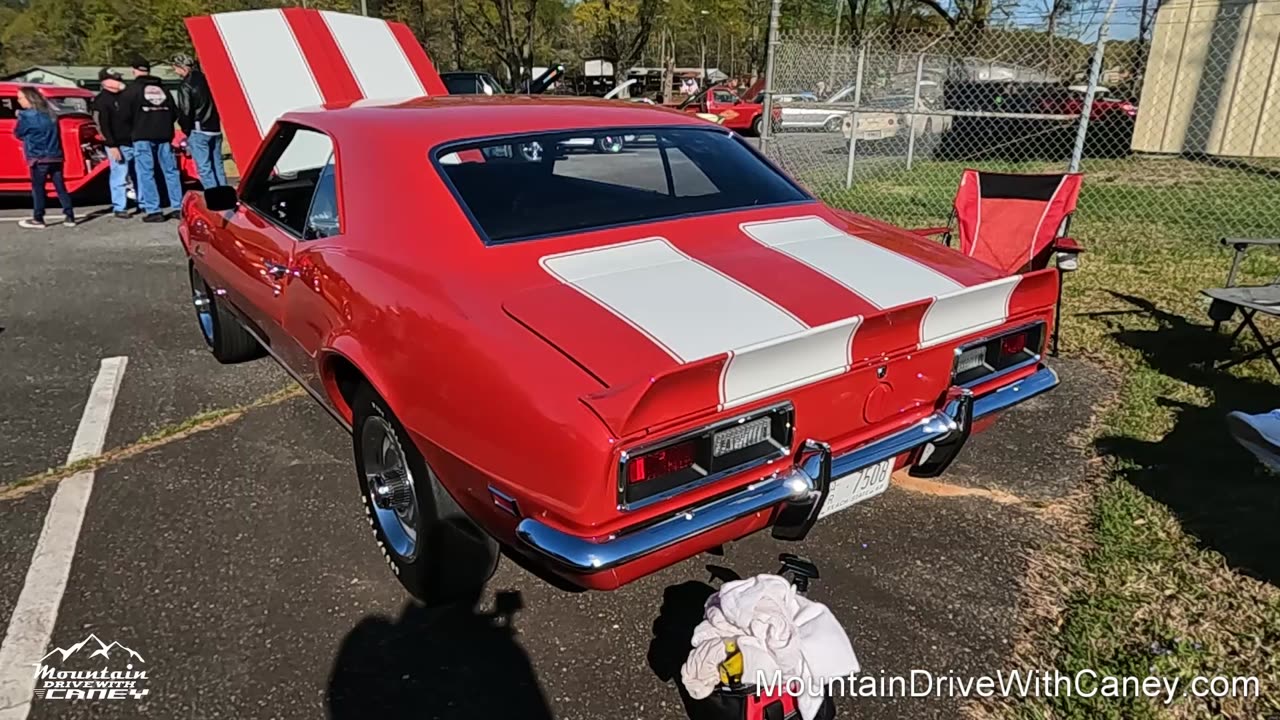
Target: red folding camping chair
[[1016, 223]]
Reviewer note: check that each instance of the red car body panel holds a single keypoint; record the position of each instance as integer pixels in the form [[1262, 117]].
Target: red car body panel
[[511, 377], [84, 159]]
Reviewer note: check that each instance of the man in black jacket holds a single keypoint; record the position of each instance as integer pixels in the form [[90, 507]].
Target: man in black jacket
[[151, 114], [198, 118], [118, 135]]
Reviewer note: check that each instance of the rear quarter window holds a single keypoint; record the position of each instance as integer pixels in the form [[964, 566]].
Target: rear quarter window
[[529, 186], [8, 107]]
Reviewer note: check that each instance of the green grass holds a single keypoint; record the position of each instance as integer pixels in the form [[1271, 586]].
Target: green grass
[[1176, 566]]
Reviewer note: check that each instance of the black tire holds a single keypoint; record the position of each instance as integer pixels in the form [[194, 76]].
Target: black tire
[[225, 337], [757, 126], [451, 558]]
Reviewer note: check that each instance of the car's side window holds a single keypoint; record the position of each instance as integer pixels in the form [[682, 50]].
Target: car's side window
[[724, 96], [284, 181], [322, 220], [8, 107]]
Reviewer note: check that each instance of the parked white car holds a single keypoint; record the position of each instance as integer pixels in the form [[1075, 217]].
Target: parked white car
[[808, 118]]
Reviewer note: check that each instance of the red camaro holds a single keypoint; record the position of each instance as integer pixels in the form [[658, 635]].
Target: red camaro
[[604, 362]]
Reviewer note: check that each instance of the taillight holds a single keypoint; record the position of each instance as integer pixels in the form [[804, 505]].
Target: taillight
[[661, 463], [1013, 344], [674, 465], [976, 361]]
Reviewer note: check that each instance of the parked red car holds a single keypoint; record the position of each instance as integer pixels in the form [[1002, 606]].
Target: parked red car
[[743, 113], [86, 159], [604, 362]]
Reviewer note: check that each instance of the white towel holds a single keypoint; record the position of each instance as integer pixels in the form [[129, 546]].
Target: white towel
[[777, 630]]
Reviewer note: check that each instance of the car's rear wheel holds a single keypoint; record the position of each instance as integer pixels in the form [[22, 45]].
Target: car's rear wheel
[[834, 124], [222, 333], [436, 552], [757, 126]]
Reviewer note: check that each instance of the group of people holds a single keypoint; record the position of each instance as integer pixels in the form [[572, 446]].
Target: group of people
[[137, 123]]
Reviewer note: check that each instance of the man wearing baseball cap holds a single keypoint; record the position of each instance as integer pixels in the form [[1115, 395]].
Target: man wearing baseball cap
[[198, 118], [118, 137], [151, 115]]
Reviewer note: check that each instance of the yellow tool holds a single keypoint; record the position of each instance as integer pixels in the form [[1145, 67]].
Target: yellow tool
[[731, 668]]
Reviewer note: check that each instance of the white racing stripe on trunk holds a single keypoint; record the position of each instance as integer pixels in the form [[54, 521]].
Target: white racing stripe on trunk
[[374, 56], [779, 365], [689, 309], [967, 311], [269, 64], [884, 278]]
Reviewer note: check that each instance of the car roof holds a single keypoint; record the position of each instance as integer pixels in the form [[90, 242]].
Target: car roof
[[442, 119]]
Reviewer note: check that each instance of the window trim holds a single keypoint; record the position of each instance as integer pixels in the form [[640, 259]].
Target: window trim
[[442, 149], [256, 170]]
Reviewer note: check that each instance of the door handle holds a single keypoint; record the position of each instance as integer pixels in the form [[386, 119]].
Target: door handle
[[274, 270]]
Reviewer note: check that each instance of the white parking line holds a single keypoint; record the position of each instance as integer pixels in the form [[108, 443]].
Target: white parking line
[[36, 612]]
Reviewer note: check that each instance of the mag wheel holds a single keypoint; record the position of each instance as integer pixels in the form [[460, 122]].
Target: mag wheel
[[834, 124], [436, 552], [610, 144]]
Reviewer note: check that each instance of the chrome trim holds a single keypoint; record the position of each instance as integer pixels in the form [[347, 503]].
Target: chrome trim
[[796, 485], [781, 453], [1041, 381], [584, 555]]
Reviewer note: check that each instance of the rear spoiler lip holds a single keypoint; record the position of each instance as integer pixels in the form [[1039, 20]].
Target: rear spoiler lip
[[682, 392]]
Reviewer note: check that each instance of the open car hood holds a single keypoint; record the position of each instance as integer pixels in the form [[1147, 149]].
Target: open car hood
[[262, 64]]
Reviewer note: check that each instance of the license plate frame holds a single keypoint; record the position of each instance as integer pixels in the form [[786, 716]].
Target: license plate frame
[[858, 486]]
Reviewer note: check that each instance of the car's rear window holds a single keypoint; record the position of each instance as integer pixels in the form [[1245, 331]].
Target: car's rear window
[[545, 184]]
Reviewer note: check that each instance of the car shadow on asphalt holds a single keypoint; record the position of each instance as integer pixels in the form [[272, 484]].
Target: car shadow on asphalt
[[1219, 492], [446, 662]]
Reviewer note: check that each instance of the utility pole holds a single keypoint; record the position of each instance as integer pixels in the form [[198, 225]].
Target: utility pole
[[364, 7]]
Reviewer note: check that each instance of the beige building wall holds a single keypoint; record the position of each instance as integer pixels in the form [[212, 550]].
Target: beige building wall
[[1212, 83]]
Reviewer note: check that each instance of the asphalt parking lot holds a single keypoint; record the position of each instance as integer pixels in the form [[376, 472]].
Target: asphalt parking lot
[[237, 561]]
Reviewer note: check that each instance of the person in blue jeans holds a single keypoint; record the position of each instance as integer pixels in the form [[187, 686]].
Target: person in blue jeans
[[118, 137], [37, 128], [151, 114], [198, 117]]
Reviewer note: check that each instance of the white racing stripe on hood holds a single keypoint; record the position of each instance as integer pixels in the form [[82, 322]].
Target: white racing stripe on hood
[[374, 55], [269, 64], [884, 278]]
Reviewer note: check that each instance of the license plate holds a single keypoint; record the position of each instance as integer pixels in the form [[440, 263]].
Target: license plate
[[857, 486], [870, 134]]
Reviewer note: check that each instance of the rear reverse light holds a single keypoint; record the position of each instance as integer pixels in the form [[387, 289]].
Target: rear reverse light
[[979, 361], [671, 466]]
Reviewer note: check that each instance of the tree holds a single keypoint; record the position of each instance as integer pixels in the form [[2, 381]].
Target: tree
[[510, 25], [621, 29]]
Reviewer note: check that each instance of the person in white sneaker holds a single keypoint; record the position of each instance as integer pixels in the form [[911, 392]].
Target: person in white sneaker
[[1259, 434], [37, 128]]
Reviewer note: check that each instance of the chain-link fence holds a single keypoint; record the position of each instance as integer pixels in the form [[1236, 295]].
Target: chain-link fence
[[1184, 131]]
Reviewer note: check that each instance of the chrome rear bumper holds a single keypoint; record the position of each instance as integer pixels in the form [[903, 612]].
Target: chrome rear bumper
[[798, 491]]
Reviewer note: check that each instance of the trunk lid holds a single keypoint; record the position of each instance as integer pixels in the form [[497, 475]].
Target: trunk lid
[[723, 310]]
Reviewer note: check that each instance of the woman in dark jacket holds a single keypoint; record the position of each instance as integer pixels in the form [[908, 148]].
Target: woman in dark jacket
[[42, 145]]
